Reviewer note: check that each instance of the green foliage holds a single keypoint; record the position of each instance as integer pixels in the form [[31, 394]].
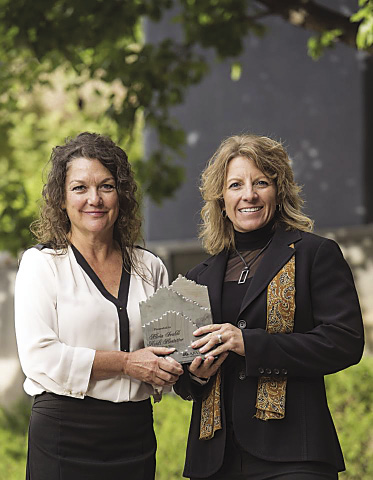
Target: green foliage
[[159, 175], [236, 71], [101, 37], [350, 396], [13, 441], [68, 67], [43, 119], [171, 424], [318, 44], [219, 24], [364, 15]]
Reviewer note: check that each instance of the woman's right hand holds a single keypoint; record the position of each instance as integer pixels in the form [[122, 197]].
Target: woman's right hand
[[150, 365]]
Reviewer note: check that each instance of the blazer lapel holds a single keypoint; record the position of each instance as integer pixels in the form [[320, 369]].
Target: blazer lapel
[[213, 277], [278, 253]]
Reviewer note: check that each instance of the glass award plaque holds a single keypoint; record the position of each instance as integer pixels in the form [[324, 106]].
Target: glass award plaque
[[172, 314]]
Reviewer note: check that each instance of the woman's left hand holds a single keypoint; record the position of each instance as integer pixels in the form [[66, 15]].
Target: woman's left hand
[[219, 338]]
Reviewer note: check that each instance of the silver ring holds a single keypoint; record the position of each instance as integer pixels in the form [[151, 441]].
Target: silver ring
[[220, 338]]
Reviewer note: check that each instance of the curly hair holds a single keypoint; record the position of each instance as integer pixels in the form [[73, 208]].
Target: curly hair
[[269, 156], [53, 225]]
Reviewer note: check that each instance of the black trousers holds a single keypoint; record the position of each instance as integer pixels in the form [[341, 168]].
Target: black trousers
[[90, 439], [240, 465]]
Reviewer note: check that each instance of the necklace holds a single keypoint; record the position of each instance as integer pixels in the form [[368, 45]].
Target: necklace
[[246, 269]]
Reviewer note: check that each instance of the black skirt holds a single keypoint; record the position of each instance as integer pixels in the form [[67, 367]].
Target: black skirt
[[90, 439]]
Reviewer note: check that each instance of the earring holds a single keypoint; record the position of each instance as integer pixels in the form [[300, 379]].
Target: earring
[[279, 207]]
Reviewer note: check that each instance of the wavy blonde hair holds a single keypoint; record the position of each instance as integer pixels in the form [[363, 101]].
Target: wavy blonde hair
[[271, 158], [53, 225]]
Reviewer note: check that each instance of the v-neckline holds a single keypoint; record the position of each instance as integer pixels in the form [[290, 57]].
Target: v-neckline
[[98, 283], [120, 302]]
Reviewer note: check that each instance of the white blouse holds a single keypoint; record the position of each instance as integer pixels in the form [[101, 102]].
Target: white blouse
[[63, 315]]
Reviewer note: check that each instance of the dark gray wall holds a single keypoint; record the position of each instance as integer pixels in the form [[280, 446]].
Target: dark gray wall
[[316, 108]]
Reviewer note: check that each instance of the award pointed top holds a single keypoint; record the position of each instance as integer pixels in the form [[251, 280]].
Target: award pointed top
[[190, 289]]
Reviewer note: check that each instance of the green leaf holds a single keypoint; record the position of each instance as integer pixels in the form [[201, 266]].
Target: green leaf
[[364, 37], [317, 44], [236, 71]]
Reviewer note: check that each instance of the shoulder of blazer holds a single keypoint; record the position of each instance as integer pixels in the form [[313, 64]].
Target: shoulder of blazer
[[312, 247], [312, 241], [305, 239], [195, 271]]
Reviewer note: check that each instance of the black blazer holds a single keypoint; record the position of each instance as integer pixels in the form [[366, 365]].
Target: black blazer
[[328, 337]]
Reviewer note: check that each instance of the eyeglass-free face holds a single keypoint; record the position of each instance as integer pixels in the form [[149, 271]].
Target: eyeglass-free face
[[249, 196], [91, 198]]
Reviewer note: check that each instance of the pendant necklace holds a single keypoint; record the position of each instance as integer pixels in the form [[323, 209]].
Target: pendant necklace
[[246, 269]]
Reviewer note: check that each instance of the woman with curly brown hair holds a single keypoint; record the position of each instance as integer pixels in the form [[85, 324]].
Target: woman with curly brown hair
[[285, 314], [78, 322]]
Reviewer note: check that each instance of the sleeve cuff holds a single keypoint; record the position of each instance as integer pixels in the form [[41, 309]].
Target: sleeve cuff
[[201, 381]]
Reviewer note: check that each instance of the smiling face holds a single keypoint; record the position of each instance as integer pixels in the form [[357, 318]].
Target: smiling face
[[249, 196], [91, 199]]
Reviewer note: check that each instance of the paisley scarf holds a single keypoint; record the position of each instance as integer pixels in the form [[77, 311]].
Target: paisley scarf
[[271, 392]]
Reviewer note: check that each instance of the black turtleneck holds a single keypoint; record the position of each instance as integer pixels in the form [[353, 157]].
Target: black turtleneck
[[255, 239]]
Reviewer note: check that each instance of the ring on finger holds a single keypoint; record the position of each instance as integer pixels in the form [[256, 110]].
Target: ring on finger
[[220, 338]]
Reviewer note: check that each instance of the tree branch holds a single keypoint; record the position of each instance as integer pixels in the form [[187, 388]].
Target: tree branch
[[312, 16]]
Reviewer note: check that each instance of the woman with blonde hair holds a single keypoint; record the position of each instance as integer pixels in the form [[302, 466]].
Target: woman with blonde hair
[[285, 313]]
